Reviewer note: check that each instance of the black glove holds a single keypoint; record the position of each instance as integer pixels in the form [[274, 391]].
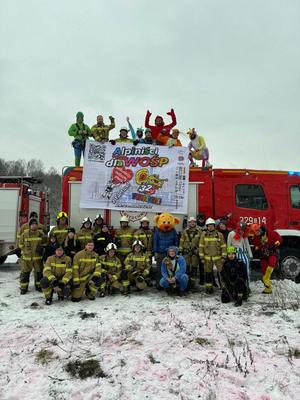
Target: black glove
[[97, 280], [54, 283], [133, 271], [135, 142], [61, 286], [113, 142]]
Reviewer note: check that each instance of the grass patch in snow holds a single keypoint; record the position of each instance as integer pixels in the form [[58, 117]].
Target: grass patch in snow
[[152, 359], [85, 315], [294, 353], [44, 356], [85, 369], [202, 341]]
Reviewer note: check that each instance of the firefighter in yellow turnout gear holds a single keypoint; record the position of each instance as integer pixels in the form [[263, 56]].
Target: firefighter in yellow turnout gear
[[57, 275], [110, 270], [124, 239], [189, 248], [85, 233], [61, 229], [31, 245], [137, 266], [86, 273], [25, 227], [145, 235], [212, 250]]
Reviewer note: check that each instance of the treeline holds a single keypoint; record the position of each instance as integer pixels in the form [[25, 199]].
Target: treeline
[[51, 179]]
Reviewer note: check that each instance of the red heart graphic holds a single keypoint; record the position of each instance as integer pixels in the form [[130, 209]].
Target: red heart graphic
[[121, 175]]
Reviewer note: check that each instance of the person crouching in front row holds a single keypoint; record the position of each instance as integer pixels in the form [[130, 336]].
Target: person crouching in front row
[[173, 270], [234, 279], [57, 275]]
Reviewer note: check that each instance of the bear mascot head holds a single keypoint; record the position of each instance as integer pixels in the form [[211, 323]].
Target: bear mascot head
[[165, 222]]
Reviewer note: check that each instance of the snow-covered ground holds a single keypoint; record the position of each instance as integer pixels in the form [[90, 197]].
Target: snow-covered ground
[[150, 346]]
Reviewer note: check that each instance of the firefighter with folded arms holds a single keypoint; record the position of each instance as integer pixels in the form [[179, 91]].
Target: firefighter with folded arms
[[57, 275], [189, 248], [234, 278], [110, 271], [86, 273], [31, 244], [124, 239], [85, 233], [137, 266], [266, 242], [24, 227], [62, 227], [145, 235], [212, 250]]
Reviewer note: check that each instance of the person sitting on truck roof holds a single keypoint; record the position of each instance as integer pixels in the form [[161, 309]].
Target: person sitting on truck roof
[[198, 149], [123, 137], [148, 137], [266, 242], [100, 131], [57, 275], [61, 228], [85, 233], [136, 135], [31, 245], [80, 131], [234, 278]]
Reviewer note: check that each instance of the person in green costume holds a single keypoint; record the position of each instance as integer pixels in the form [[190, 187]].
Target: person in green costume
[[80, 131]]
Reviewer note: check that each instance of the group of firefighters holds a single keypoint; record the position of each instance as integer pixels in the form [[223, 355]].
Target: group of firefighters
[[96, 261], [158, 134]]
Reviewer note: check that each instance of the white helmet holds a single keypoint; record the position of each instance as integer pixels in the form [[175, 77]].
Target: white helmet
[[192, 219], [144, 219], [210, 221], [110, 246], [137, 242], [124, 219], [87, 219], [124, 128], [98, 216]]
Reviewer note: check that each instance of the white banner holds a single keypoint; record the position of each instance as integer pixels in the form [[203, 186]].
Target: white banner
[[135, 178]]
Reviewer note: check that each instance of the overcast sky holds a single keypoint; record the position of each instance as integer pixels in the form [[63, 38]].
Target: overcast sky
[[229, 68]]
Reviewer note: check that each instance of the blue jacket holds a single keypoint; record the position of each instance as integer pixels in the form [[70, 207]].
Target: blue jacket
[[180, 268], [163, 240]]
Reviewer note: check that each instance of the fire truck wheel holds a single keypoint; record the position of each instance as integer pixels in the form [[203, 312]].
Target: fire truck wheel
[[3, 259], [290, 264]]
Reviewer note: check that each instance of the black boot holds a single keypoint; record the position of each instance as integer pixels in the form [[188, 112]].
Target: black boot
[[48, 301], [23, 291]]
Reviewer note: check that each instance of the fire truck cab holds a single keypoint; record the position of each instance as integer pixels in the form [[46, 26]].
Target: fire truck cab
[[18, 199], [271, 198]]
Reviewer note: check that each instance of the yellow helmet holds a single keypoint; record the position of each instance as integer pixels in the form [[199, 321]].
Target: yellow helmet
[[62, 214]]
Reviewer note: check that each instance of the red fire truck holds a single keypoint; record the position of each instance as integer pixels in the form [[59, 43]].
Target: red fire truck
[[18, 199], [265, 197]]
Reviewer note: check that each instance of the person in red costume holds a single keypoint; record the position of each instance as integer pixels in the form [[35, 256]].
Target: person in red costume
[[160, 124], [266, 242]]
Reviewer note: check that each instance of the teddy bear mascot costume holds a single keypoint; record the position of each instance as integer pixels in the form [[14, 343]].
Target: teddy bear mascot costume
[[165, 235]]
